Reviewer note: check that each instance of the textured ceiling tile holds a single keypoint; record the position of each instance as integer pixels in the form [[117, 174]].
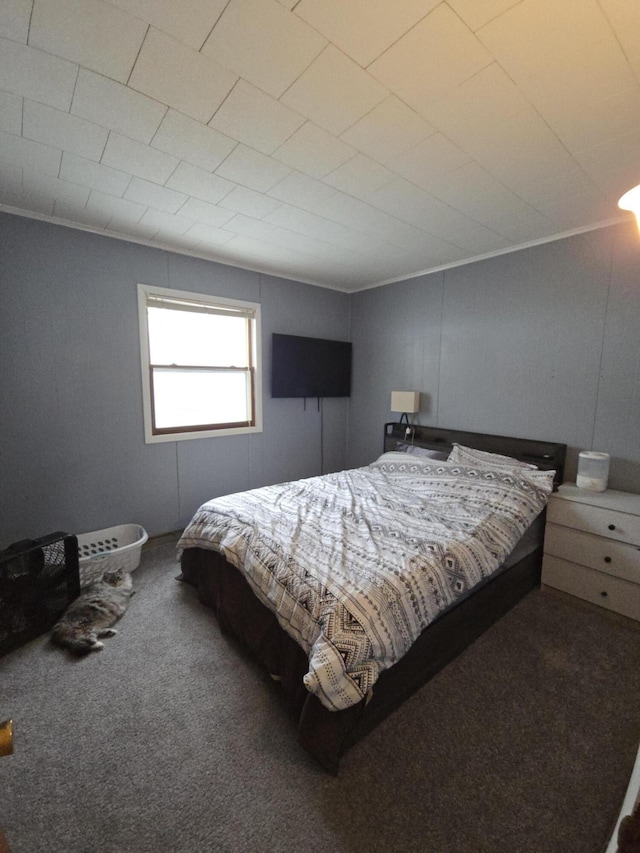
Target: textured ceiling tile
[[93, 175], [249, 202], [248, 226], [365, 218], [57, 128], [314, 151], [479, 240], [624, 17], [599, 73], [359, 175], [334, 91], [316, 248], [112, 105], [189, 21], [517, 230], [337, 234], [131, 156], [36, 203], [535, 34], [11, 113], [479, 125], [202, 211], [416, 207], [131, 229], [572, 182], [255, 118], [180, 77], [264, 43], [301, 190], [252, 169], [476, 13], [429, 161], [363, 29], [302, 221], [14, 150], [110, 206], [199, 183], [521, 149], [14, 19], [600, 121], [37, 184], [568, 213], [166, 222], [10, 176], [209, 234], [269, 258], [152, 195], [614, 164], [176, 241], [85, 216], [387, 130], [471, 190], [189, 140], [89, 32], [36, 75], [487, 99], [434, 57], [412, 205], [348, 238]]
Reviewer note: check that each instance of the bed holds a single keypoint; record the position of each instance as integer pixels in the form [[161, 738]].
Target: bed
[[351, 625]]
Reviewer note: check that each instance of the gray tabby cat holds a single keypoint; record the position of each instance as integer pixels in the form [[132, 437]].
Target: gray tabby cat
[[93, 613]]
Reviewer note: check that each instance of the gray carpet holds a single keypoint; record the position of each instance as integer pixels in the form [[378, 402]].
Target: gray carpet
[[171, 739]]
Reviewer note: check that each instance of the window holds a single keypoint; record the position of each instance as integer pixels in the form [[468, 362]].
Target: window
[[200, 364]]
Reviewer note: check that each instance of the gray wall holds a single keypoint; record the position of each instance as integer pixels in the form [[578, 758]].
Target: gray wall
[[542, 343], [72, 451]]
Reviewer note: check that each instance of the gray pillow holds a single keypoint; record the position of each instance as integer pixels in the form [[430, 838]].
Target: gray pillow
[[402, 447]]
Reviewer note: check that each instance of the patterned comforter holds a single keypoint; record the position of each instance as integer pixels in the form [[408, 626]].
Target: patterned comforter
[[356, 564]]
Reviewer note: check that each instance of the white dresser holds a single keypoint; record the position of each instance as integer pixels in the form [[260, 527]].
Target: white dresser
[[592, 547]]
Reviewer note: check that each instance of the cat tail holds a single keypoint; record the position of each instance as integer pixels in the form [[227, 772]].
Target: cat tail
[[79, 646]]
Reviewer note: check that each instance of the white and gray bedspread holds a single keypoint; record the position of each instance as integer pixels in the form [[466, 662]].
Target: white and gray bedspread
[[356, 564]]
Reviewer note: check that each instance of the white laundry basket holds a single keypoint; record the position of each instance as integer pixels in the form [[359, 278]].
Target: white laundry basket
[[110, 549]]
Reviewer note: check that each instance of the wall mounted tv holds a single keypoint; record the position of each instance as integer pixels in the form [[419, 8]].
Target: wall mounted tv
[[310, 367]]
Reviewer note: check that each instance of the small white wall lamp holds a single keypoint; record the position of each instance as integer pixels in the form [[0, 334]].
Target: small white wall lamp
[[405, 402], [631, 201]]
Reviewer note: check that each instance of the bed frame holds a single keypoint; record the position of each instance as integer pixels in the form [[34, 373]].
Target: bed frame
[[327, 735]]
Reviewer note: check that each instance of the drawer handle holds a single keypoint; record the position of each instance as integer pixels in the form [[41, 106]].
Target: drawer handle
[[607, 559], [612, 527], [604, 594]]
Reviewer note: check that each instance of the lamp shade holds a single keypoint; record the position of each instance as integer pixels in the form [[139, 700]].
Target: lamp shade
[[405, 401]]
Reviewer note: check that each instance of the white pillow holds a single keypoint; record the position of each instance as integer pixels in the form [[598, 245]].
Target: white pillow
[[462, 455]]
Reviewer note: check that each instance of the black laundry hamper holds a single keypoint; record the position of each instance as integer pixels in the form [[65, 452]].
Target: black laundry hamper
[[38, 580]]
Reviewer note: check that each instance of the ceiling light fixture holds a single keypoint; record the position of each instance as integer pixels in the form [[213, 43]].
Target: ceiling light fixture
[[631, 201]]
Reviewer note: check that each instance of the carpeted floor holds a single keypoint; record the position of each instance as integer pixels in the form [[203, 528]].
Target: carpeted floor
[[171, 739]]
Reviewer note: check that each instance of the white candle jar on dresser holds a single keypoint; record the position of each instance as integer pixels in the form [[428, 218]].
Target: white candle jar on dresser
[[592, 547]]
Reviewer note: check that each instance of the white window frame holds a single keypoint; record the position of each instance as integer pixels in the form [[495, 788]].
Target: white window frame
[[146, 290]]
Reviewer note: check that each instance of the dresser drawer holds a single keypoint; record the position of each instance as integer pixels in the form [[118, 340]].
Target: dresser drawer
[[604, 590], [595, 519], [595, 552]]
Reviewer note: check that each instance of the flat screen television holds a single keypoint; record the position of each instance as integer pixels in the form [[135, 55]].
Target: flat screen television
[[310, 367]]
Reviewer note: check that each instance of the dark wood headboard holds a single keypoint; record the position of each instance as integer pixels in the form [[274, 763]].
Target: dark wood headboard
[[546, 455]]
